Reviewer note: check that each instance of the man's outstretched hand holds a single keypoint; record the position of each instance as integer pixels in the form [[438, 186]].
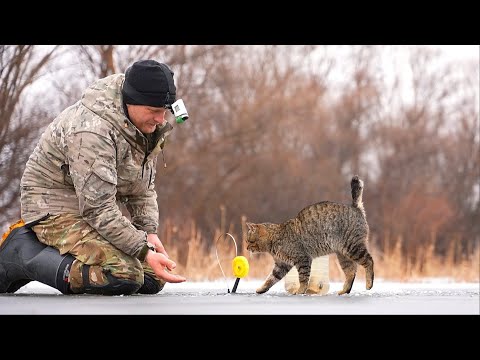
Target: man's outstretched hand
[[160, 263]]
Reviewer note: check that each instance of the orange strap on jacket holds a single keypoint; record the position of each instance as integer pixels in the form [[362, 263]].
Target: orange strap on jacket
[[19, 223]]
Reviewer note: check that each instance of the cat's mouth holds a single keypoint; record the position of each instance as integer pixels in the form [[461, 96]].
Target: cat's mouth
[[251, 247]]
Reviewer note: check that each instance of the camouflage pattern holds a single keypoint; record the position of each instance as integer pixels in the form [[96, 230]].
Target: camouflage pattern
[[71, 234], [91, 159]]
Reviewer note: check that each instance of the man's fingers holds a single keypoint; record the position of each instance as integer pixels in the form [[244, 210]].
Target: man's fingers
[[172, 278], [169, 264], [163, 266]]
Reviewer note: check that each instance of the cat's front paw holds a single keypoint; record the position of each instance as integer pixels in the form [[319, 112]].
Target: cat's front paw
[[320, 289], [291, 289], [262, 290], [300, 291]]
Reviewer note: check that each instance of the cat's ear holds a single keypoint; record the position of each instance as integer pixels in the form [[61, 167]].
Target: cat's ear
[[262, 230], [249, 225]]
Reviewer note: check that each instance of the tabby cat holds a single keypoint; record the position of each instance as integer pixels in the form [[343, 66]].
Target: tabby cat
[[319, 229]]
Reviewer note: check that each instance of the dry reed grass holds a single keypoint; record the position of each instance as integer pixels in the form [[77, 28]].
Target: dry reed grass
[[199, 263]]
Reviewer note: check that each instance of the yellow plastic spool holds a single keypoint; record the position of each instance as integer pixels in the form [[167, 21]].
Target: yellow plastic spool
[[240, 266]]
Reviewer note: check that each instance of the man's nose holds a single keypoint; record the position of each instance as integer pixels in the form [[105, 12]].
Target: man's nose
[[159, 118]]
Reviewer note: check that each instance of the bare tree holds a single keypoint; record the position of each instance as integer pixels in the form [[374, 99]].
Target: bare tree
[[271, 130], [240, 138], [427, 162], [99, 59], [20, 67]]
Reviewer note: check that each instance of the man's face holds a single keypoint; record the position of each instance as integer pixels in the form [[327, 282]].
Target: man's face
[[146, 118]]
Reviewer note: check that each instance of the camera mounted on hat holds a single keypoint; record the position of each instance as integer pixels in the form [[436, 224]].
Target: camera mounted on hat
[[150, 83], [179, 110]]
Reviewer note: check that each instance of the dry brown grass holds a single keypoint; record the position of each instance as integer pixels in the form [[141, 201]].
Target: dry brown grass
[[199, 263]]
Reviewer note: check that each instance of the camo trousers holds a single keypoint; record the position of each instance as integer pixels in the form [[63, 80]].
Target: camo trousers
[[71, 234]]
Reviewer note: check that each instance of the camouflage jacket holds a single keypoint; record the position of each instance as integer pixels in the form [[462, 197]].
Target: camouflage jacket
[[90, 159]]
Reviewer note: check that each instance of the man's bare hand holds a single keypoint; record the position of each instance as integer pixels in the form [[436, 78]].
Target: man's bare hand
[[160, 264], [155, 241]]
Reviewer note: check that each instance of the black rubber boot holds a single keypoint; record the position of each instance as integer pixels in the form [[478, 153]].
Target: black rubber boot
[[23, 258]]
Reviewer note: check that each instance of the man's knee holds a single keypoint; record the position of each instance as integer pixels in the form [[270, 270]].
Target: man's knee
[[151, 285], [114, 286]]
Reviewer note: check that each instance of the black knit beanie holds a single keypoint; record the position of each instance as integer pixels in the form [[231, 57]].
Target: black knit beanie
[[150, 83]]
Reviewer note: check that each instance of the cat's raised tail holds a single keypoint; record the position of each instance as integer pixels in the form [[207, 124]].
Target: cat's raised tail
[[357, 190]]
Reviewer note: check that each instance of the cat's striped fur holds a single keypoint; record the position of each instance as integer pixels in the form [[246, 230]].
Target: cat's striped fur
[[319, 229]]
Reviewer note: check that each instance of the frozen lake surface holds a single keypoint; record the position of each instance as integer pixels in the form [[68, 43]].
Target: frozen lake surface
[[434, 296]]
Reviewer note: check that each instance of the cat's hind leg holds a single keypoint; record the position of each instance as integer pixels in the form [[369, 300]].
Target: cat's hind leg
[[304, 267], [366, 261], [350, 269], [280, 269]]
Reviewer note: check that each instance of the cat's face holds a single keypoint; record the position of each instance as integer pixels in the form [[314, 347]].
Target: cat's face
[[257, 237]]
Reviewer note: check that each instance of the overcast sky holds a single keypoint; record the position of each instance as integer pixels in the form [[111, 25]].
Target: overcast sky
[[460, 51]]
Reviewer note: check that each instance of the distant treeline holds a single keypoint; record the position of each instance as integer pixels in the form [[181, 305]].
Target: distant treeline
[[273, 129]]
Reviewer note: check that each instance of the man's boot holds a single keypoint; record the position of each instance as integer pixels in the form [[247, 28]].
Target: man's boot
[[23, 258]]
